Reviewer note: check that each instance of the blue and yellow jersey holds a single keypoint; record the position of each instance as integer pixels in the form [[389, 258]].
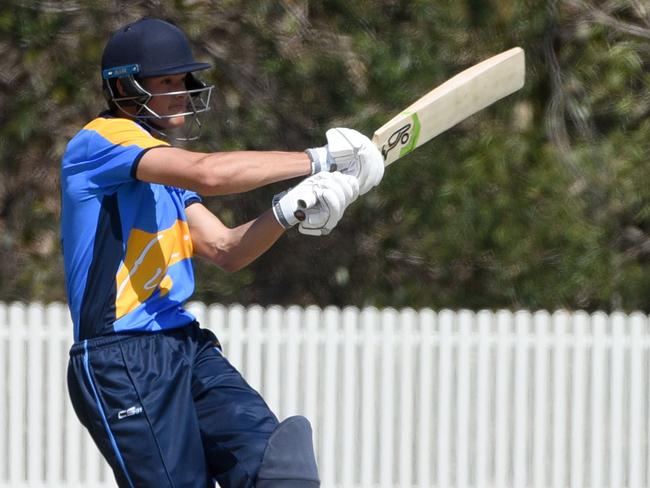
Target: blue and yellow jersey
[[126, 243]]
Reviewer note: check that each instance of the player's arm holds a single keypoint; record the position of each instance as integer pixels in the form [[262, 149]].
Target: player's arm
[[224, 173], [231, 249], [220, 173]]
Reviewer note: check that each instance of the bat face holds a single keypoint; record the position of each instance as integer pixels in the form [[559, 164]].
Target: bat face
[[450, 103]]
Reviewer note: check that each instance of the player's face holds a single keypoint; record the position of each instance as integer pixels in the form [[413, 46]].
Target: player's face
[[167, 104]]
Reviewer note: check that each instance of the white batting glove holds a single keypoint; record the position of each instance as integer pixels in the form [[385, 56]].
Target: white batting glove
[[351, 153], [316, 203]]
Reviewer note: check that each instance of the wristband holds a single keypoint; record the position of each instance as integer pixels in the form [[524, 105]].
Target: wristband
[[321, 160], [277, 211]]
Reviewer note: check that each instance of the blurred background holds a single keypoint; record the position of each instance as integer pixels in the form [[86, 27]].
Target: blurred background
[[541, 201]]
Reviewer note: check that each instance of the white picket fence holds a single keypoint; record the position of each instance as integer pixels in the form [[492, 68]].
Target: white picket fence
[[397, 398]]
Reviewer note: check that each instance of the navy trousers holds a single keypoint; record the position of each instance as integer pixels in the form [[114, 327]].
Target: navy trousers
[[166, 409]]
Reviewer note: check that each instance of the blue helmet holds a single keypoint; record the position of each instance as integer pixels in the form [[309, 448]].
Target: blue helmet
[[148, 48]]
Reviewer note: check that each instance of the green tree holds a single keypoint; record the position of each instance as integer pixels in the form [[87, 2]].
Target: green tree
[[539, 201]]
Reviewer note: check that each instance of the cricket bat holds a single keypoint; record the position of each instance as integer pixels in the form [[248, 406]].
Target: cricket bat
[[445, 106], [450, 103]]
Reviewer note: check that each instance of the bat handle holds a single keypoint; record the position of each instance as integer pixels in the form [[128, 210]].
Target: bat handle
[[299, 213], [304, 204]]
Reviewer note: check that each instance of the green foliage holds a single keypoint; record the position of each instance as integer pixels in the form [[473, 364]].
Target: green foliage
[[538, 202]]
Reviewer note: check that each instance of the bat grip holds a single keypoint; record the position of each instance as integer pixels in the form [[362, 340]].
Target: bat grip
[[303, 204], [299, 213]]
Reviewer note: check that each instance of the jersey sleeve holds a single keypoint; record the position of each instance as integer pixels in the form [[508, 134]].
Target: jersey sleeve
[[109, 152], [189, 197]]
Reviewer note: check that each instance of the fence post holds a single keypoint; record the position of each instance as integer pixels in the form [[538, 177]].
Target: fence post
[[295, 338], [637, 394], [35, 370], [484, 320], [616, 399], [407, 319], [598, 378], [387, 411], [503, 396], [540, 398], [349, 446], [369, 321], [560, 323], [4, 392], [236, 336], [17, 322], [424, 418], [254, 340], [331, 317], [56, 393], [580, 323], [273, 324], [463, 378], [445, 369], [310, 385], [521, 394]]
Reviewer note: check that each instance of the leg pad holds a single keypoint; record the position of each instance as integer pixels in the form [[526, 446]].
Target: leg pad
[[289, 460]]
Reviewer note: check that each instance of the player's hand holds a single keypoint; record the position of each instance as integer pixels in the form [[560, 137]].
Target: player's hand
[[351, 153], [316, 203]]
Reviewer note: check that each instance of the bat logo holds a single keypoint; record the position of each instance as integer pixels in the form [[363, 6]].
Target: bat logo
[[400, 136]]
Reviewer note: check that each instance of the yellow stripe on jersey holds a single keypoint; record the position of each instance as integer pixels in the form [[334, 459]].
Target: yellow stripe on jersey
[[144, 269], [124, 132]]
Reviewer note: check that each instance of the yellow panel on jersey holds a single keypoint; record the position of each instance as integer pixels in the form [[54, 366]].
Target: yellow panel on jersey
[[144, 269], [124, 132]]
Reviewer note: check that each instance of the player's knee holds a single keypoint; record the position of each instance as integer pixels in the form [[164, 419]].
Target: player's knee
[[289, 460]]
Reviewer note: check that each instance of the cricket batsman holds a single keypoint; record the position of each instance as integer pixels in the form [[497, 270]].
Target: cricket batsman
[[162, 403]]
